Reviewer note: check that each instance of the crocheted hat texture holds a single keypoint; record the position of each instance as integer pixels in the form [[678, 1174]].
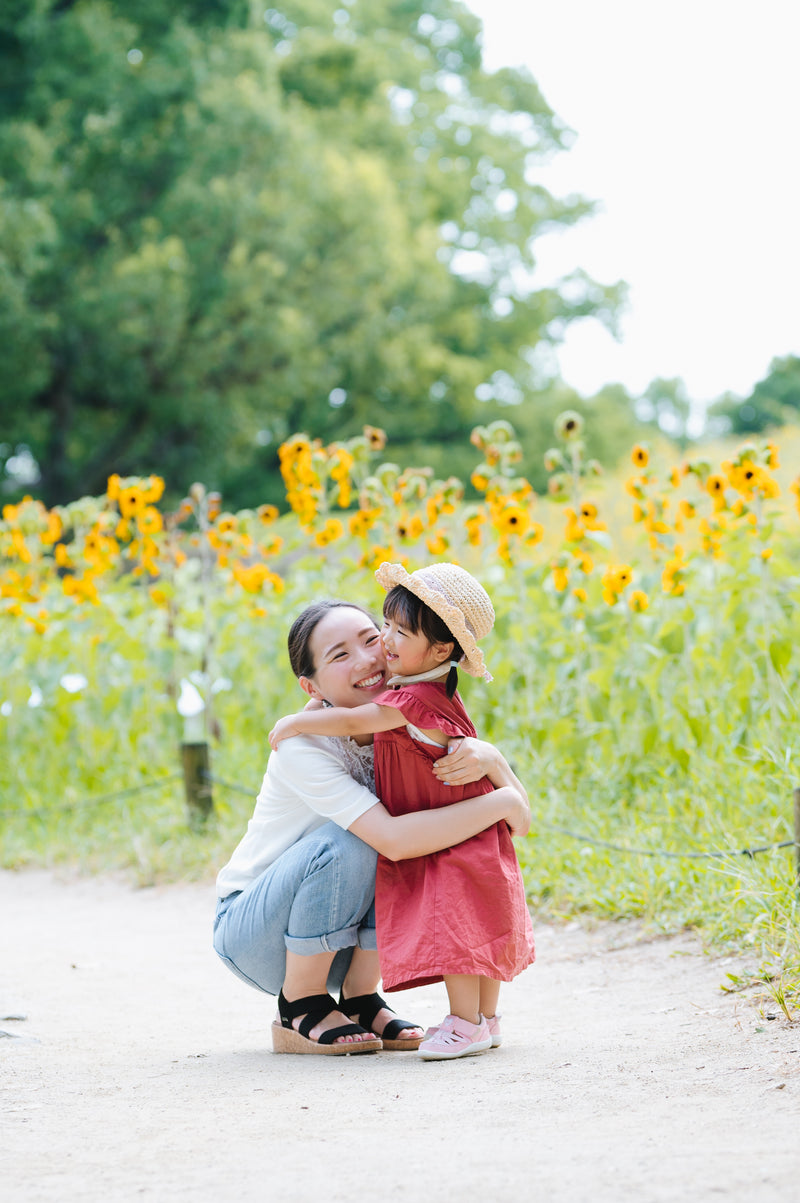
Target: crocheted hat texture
[[460, 601]]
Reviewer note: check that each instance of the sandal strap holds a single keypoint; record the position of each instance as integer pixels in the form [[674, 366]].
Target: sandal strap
[[395, 1026], [345, 1029], [314, 1007], [365, 1007]]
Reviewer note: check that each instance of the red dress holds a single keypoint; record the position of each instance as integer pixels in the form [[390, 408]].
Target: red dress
[[462, 910]]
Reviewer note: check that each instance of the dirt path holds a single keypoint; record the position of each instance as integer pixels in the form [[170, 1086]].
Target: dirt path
[[144, 1071]]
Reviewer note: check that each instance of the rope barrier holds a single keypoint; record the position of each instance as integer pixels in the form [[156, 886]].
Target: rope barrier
[[238, 789], [131, 791], [87, 803], [590, 839]]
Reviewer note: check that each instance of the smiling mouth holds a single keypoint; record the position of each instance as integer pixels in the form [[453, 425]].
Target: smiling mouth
[[370, 682]]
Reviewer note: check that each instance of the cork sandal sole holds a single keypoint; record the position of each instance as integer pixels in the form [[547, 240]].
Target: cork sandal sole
[[363, 1010], [287, 1040]]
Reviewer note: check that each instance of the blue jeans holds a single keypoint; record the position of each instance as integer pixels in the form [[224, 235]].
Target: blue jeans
[[317, 897]]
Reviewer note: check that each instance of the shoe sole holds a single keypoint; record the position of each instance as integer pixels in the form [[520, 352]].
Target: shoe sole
[[481, 1047], [287, 1040], [402, 1046]]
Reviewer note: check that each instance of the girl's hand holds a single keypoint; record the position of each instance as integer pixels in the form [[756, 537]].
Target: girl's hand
[[519, 814], [285, 728], [467, 760]]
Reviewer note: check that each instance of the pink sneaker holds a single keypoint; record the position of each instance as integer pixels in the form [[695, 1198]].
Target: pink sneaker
[[455, 1037], [493, 1025]]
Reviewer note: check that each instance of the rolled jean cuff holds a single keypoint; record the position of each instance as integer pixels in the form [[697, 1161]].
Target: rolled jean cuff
[[368, 939], [309, 946]]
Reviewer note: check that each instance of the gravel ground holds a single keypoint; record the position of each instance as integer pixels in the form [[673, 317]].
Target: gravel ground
[[144, 1071]]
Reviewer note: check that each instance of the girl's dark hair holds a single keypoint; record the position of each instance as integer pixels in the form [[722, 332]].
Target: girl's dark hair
[[303, 628], [406, 609]]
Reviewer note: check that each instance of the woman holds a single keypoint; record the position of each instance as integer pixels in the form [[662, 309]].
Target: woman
[[294, 916]]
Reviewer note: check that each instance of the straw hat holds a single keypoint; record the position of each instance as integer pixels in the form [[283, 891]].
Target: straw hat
[[458, 599]]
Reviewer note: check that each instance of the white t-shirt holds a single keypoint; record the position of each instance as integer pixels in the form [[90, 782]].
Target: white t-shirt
[[306, 784]]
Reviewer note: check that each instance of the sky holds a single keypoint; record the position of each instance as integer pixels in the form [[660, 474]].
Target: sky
[[686, 118]]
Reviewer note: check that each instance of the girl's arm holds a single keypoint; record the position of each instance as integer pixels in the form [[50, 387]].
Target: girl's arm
[[399, 837], [337, 720]]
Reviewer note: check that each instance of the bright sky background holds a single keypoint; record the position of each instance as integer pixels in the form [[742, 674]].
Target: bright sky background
[[687, 117]]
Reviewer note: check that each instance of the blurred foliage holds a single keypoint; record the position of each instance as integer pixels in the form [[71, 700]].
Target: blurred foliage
[[774, 401], [221, 223]]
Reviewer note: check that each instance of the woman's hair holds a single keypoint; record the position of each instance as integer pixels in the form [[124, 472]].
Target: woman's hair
[[303, 628], [405, 608]]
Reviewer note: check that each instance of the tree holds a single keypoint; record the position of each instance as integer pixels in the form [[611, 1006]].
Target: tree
[[774, 401], [665, 404], [221, 224]]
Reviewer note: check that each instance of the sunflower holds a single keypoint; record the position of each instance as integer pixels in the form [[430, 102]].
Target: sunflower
[[39, 621], [375, 437], [560, 579], [331, 531], [473, 526], [638, 601], [640, 456], [250, 577], [54, 529], [715, 485], [568, 425], [268, 513], [574, 530], [149, 521], [437, 543], [512, 520], [131, 501], [154, 490]]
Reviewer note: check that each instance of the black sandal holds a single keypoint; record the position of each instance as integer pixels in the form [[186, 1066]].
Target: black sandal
[[285, 1039], [365, 1007]]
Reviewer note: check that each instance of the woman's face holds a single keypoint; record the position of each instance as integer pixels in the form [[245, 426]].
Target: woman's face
[[350, 665]]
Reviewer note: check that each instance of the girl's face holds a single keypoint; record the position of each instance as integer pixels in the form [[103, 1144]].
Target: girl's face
[[350, 667], [408, 652]]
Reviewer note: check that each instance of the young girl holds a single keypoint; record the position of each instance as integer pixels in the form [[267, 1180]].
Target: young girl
[[458, 915]]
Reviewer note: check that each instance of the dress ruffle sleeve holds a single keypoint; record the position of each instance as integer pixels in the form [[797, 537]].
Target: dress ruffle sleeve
[[419, 705]]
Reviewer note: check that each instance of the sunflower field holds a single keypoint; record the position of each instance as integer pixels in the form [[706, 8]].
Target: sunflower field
[[645, 682]]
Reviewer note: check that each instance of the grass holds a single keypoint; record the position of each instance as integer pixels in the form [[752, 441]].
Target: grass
[[670, 731]]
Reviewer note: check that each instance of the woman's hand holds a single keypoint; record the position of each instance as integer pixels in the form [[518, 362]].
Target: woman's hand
[[467, 760]]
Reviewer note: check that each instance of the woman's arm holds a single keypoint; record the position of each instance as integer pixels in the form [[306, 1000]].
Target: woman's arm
[[337, 720], [399, 837]]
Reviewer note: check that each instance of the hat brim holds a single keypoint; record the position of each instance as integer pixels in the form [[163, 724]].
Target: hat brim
[[389, 575]]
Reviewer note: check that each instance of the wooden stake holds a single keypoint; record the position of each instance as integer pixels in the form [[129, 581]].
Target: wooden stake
[[797, 836], [199, 799]]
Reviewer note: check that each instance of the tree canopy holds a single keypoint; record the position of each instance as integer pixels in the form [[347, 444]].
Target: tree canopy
[[221, 222], [774, 401]]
